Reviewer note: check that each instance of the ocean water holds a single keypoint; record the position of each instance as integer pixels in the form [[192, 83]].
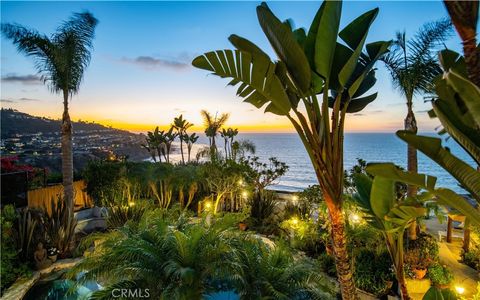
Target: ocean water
[[372, 147]]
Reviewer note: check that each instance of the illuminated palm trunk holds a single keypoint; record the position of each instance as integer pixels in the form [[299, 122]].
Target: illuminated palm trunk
[[340, 252], [67, 155], [412, 161]]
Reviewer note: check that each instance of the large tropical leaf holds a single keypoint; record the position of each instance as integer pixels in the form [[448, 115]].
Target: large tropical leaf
[[453, 123], [322, 37], [285, 45], [355, 35], [432, 147], [259, 83], [468, 92], [443, 196]]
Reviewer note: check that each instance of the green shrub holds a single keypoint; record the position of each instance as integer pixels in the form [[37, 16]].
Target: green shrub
[[11, 266], [472, 258], [373, 271], [420, 253], [440, 275], [102, 178], [327, 264]]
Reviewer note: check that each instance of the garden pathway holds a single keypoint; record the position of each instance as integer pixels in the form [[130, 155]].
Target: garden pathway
[[449, 254]]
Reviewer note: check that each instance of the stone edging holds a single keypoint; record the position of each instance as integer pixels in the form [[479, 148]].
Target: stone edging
[[20, 287]]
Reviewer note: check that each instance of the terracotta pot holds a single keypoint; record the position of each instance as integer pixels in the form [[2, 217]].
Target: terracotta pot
[[53, 258], [242, 226], [420, 273]]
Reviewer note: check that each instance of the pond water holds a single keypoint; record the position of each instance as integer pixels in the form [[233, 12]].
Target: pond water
[[57, 287]]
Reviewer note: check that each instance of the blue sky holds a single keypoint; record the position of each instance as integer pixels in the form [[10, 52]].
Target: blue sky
[[140, 73]]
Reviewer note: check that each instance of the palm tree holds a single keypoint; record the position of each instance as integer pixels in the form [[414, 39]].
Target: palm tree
[[224, 135], [309, 65], [212, 125], [262, 272], [169, 138], [61, 60], [181, 125], [190, 140], [413, 65], [464, 15], [182, 261]]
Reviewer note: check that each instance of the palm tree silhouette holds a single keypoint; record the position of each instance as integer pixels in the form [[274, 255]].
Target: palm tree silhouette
[[413, 66], [212, 125], [61, 61]]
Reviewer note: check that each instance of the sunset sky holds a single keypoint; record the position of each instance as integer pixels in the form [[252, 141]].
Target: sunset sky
[[140, 75]]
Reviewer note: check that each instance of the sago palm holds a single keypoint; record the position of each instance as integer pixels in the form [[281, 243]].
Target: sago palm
[[315, 82], [174, 262], [61, 60], [261, 272]]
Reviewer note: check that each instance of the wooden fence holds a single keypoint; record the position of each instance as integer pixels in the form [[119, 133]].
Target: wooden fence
[[42, 197]]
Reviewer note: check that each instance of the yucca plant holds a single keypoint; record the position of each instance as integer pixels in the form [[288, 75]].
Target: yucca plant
[[59, 225], [315, 82]]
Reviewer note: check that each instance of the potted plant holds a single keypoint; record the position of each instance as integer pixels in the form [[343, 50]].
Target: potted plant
[[440, 276], [52, 253]]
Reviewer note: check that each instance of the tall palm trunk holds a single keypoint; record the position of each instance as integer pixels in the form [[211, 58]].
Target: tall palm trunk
[[67, 155], [189, 149], [412, 161], [464, 15], [181, 149], [226, 151], [339, 243]]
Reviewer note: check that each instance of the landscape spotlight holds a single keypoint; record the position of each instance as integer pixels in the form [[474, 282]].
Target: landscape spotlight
[[460, 289]]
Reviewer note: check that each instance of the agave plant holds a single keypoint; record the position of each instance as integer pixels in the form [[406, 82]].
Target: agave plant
[[315, 73]]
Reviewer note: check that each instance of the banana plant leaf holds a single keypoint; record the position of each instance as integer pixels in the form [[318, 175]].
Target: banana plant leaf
[[259, 83], [432, 147], [443, 196]]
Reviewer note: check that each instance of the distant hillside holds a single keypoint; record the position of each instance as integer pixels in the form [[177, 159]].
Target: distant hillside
[[15, 122]]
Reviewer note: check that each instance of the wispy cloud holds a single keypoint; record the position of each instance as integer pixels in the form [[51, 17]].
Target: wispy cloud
[[23, 99], [157, 63], [23, 79]]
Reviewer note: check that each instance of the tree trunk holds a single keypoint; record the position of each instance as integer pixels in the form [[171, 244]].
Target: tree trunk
[[67, 155], [189, 149], [412, 164], [181, 149], [402, 284], [464, 15], [339, 244]]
